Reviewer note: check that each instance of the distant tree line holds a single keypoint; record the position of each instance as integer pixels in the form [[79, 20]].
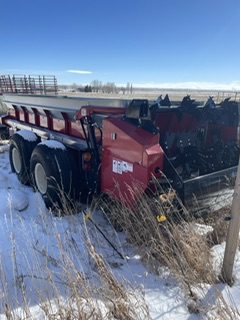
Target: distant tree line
[[97, 86]]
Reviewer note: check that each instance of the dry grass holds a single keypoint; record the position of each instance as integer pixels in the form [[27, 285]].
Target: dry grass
[[66, 290], [174, 243], [218, 220]]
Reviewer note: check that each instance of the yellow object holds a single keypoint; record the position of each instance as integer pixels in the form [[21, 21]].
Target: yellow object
[[163, 197], [87, 215], [161, 218], [171, 195], [167, 197]]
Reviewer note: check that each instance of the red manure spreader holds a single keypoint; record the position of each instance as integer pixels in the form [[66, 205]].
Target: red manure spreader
[[80, 146]]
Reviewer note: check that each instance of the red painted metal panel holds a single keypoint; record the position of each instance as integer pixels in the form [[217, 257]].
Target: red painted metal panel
[[49, 119], [227, 133], [76, 130], [168, 121], [67, 124], [130, 157], [25, 114], [31, 118], [36, 117], [17, 116], [21, 116], [43, 121], [59, 125]]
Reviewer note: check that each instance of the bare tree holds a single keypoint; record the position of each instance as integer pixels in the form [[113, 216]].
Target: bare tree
[[109, 87], [74, 86], [96, 85], [128, 88], [123, 89]]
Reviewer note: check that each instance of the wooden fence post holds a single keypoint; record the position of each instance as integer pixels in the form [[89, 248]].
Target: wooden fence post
[[232, 234]]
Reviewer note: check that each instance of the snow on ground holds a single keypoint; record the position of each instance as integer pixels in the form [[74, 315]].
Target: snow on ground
[[30, 238]]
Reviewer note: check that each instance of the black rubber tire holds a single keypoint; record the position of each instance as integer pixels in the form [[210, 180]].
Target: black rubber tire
[[53, 173], [20, 152]]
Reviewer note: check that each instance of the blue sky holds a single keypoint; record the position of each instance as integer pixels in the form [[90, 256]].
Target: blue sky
[[145, 42]]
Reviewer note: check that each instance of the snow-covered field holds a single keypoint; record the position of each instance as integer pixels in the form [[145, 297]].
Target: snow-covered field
[[43, 257]]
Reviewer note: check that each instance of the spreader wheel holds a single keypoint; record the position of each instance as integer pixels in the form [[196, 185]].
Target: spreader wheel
[[22, 144], [53, 173]]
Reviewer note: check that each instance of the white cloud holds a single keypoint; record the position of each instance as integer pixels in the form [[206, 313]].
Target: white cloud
[[80, 71]]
